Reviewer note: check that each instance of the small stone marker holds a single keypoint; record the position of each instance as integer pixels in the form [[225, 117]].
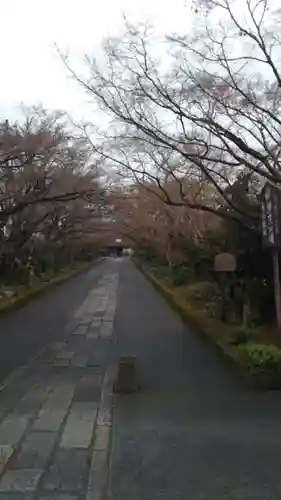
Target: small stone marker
[[126, 380]]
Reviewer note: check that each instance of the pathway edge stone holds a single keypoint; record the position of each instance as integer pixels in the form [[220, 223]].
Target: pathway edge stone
[[99, 469]]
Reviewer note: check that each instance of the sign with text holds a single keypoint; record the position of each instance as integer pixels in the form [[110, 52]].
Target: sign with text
[[271, 215]]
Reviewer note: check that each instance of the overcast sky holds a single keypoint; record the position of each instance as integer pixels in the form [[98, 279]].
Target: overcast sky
[[31, 71]]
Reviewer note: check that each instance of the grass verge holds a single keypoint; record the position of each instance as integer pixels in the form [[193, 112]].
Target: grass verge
[[11, 304]]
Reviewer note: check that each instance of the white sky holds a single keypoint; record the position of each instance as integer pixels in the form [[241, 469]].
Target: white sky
[[31, 71]]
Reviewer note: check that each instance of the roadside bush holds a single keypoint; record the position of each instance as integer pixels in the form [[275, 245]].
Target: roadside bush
[[160, 271], [213, 306], [204, 291], [146, 254], [180, 275], [257, 358], [244, 335]]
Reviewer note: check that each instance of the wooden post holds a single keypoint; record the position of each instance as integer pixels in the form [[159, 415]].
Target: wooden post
[[277, 294]]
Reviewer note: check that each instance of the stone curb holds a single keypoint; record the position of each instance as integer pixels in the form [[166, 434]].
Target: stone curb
[[101, 460], [99, 469]]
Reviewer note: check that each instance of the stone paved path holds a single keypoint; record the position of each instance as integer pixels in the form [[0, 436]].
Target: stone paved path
[[48, 314], [194, 431], [56, 411]]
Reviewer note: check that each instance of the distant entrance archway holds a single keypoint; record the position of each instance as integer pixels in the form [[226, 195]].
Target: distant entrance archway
[[114, 250]]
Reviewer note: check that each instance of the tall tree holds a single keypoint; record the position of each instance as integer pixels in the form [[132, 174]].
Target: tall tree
[[214, 113], [51, 197]]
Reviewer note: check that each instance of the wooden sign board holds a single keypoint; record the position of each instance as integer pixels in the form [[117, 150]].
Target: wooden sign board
[[225, 262], [271, 215]]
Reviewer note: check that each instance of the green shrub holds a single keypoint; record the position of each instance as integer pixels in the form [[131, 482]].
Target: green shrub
[[160, 271], [213, 306], [253, 319], [202, 291], [177, 275], [180, 275], [259, 358], [243, 335]]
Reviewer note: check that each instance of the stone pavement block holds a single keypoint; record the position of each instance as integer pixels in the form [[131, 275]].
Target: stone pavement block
[[102, 436], [9, 398], [61, 392], [98, 355], [47, 356], [75, 363], [65, 354], [102, 345], [99, 313], [29, 460], [20, 480], [91, 335], [97, 476], [112, 306], [49, 420], [62, 362], [37, 440], [35, 450], [57, 346], [55, 406], [12, 429], [80, 330], [95, 324], [31, 402], [78, 431], [108, 317], [96, 321], [16, 496], [6, 452], [92, 306], [84, 409], [91, 380], [86, 320], [110, 311], [79, 361], [97, 359], [106, 329], [67, 471], [74, 343], [94, 328], [97, 316], [103, 301], [60, 398], [56, 496], [77, 434], [88, 389], [86, 347]]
